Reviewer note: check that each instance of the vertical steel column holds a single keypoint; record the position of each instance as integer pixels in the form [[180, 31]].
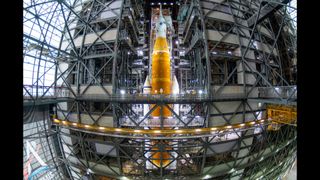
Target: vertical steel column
[[63, 154], [208, 88]]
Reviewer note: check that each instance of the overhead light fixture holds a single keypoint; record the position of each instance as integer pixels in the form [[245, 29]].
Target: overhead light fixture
[[229, 52], [200, 92], [164, 3], [179, 131], [171, 4], [124, 178], [177, 42], [89, 171], [152, 3], [214, 52], [122, 91]]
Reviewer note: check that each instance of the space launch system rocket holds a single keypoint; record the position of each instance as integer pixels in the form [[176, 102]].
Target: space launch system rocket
[[161, 69], [161, 83]]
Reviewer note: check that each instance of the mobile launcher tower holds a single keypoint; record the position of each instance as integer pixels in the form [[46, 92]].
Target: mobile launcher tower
[[176, 90]]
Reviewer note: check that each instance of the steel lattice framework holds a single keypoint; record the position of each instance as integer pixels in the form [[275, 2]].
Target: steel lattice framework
[[86, 61]]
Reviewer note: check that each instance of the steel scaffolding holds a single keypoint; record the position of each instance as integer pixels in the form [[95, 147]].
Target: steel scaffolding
[[232, 59]]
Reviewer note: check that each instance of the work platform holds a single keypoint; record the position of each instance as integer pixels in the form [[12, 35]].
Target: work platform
[[162, 133], [137, 99], [159, 99], [286, 95], [45, 101], [276, 115]]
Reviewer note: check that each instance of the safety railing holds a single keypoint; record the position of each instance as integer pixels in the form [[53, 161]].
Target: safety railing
[[225, 53], [158, 98], [97, 52], [284, 92], [31, 92], [167, 122], [281, 115]]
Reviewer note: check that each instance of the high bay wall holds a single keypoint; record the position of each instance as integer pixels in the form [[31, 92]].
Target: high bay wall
[[230, 58]]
